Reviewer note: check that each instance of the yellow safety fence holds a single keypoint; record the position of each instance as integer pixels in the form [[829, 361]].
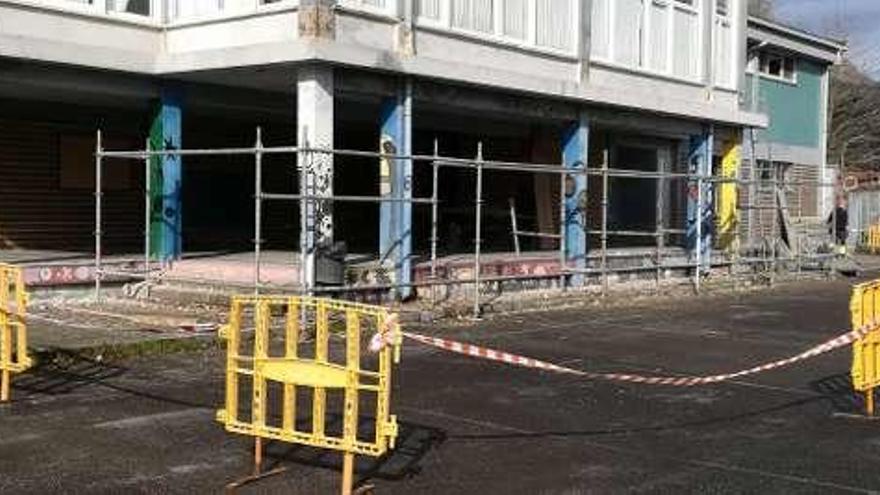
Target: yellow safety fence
[[13, 326], [872, 239], [865, 310], [291, 393]]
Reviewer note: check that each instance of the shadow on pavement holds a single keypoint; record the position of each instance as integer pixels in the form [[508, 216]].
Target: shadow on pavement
[[414, 442], [70, 371], [839, 391]]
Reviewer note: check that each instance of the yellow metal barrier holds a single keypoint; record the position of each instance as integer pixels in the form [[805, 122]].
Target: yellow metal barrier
[[872, 238], [865, 310], [13, 327], [272, 357]]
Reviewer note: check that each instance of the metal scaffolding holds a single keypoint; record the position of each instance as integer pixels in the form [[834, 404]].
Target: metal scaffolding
[[739, 260]]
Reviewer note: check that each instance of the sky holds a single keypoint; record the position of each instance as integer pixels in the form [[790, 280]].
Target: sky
[[857, 21]]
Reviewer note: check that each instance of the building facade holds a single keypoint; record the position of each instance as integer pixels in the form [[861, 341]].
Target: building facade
[[789, 71], [652, 86]]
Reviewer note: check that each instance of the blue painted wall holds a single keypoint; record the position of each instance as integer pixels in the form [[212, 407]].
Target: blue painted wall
[[795, 109]]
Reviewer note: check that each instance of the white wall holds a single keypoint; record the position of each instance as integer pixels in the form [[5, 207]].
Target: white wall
[[77, 38], [529, 46]]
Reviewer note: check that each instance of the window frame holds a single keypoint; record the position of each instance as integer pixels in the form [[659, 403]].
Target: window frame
[[757, 66]]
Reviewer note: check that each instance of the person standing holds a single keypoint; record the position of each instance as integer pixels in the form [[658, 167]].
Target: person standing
[[838, 223]]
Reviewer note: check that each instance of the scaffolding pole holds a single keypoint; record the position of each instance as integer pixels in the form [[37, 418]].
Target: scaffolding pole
[[258, 208], [148, 210], [604, 241], [98, 211], [435, 191], [563, 221], [478, 236]]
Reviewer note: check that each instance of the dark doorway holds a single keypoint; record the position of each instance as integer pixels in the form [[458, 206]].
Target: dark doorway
[[634, 200]]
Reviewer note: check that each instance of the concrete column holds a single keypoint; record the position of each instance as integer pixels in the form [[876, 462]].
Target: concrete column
[[166, 179], [406, 28], [708, 23], [585, 9], [700, 162], [315, 130], [317, 19], [575, 152], [395, 182]]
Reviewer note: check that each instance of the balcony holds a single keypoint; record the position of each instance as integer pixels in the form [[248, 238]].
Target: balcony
[[543, 25], [649, 56]]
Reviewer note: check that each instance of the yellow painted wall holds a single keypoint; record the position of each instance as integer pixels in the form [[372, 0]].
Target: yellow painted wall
[[726, 214]]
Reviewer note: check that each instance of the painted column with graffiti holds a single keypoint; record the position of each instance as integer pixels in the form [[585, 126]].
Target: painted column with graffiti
[[166, 217], [700, 198], [575, 150], [315, 127], [395, 182]]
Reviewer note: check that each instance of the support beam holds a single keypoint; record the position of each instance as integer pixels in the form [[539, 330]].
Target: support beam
[[395, 182], [315, 127], [700, 198], [575, 152], [166, 217]]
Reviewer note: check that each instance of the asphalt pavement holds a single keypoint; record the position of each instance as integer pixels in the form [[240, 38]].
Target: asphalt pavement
[[146, 425]]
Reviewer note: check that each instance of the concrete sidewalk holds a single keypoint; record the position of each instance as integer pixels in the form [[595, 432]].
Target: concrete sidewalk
[[73, 321]]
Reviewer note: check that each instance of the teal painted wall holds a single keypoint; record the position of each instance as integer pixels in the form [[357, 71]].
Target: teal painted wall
[[795, 110]]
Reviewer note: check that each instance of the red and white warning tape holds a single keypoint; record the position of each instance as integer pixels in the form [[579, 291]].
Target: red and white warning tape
[[684, 381]]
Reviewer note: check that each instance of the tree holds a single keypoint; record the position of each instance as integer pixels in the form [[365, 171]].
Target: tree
[[854, 133], [761, 8]]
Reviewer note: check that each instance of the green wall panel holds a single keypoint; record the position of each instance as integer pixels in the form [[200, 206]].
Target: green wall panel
[[794, 109]]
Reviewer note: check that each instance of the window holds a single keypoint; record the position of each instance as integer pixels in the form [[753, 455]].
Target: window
[[627, 29], [553, 24], [188, 9], [376, 5], [726, 52], [137, 7], [600, 32], [473, 15], [687, 49], [777, 66], [516, 19], [663, 36], [430, 9], [547, 24], [657, 26]]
